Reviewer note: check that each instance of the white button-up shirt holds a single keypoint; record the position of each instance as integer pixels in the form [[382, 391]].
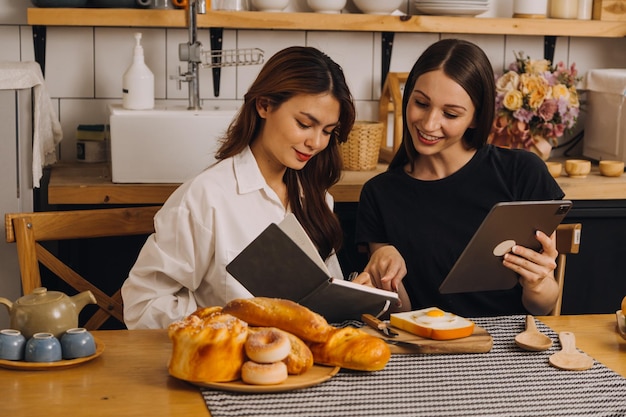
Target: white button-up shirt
[[204, 224]]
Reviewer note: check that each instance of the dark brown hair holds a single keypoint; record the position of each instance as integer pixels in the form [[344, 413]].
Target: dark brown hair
[[290, 72], [466, 64]]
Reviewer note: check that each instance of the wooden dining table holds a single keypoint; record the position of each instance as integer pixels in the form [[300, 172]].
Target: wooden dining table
[[130, 377]]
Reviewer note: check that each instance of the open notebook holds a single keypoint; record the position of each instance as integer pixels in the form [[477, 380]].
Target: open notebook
[[282, 262]]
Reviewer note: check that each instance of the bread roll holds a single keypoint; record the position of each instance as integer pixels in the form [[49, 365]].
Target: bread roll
[[300, 358], [208, 346], [283, 314], [352, 349]]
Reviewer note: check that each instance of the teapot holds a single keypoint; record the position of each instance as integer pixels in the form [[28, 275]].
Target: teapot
[[46, 311]]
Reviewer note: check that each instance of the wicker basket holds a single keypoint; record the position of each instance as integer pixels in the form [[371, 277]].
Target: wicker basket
[[360, 152]]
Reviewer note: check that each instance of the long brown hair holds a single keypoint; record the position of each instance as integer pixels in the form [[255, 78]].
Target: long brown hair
[[466, 64], [290, 72]]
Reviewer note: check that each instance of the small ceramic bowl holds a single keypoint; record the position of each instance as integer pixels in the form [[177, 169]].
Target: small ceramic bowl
[[270, 5], [117, 4], [43, 347], [555, 168], [577, 168], [77, 343], [59, 3], [12, 345], [377, 6], [611, 168], [327, 6]]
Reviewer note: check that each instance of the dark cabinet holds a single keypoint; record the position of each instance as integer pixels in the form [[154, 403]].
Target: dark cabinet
[[595, 278]]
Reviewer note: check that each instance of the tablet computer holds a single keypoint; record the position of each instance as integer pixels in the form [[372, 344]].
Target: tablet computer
[[479, 268]]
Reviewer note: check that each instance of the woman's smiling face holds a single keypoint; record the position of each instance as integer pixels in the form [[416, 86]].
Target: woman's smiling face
[[297, 130], [438, 113]]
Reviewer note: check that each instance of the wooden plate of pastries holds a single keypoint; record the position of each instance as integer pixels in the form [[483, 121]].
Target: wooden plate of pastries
[[316, 375], [262, 345]]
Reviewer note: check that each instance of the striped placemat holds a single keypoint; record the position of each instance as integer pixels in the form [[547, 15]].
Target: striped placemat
[[504, 382]]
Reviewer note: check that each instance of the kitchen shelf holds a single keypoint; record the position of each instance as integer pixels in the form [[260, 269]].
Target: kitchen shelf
[[326, 22], [80, 183]]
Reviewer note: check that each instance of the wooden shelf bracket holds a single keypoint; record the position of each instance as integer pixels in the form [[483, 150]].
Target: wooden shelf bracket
[[391, 102]]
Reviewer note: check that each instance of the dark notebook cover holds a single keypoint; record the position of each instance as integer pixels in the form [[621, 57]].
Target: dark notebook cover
[[282, 262]]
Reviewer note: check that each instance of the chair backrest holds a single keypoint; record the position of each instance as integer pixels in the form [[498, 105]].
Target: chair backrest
[[567, 242], [28, 229]]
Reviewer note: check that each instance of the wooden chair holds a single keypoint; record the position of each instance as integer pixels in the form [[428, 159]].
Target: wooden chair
[[27, 230], [567, 242]]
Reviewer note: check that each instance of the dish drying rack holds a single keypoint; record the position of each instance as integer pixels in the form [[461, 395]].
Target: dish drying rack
[[216, 59], [232, 58]]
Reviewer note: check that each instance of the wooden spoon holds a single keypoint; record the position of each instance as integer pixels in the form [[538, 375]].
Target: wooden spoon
[[569, 358], [531, 338]]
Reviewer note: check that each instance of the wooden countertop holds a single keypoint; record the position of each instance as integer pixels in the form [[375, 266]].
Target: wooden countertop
[[130, 378], [87, 183], [90, 183], [593, 187], [596, 335]]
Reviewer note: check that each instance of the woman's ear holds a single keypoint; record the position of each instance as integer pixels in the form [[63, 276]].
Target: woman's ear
[[262, 106]]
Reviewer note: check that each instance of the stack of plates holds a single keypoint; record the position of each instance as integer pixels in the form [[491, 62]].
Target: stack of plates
[[452, 7]]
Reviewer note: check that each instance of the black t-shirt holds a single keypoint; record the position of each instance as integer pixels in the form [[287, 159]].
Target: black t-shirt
[[431, 222]]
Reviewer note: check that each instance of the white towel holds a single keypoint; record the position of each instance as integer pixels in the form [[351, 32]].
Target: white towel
[[47, 131]]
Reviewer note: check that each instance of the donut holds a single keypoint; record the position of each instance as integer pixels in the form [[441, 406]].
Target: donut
[[267, 345], [263, 373]]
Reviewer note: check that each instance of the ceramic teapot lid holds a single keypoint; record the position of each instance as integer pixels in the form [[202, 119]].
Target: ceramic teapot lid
[[40, 295]]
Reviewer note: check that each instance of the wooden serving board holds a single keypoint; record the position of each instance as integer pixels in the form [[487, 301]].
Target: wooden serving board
[[480, 341]]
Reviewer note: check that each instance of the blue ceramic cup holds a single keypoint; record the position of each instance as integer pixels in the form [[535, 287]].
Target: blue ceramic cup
[[77, 343], [43, 347], [12, 345]]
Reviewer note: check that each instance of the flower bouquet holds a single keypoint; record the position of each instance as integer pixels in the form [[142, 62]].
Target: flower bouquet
[[535, 104]]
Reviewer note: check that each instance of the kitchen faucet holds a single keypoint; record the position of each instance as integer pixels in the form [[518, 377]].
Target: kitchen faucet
[[192, 53], [216, 59]]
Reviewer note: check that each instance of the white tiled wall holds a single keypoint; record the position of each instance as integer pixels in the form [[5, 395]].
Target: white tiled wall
[[84, 65]]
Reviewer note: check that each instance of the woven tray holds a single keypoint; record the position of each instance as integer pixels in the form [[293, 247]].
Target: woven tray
[[360, 152]]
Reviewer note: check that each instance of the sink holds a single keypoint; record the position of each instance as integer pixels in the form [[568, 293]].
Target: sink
[[166, 144]]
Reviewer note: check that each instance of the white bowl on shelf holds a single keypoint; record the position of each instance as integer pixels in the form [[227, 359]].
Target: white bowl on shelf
[[377, 6], [59, 3], [327, 6], [270, 5]]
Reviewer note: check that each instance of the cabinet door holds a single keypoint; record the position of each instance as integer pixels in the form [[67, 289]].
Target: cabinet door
[[16, 192]]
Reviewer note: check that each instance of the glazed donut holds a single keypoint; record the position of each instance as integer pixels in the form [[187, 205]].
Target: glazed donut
[[267, 345], [263, 373]]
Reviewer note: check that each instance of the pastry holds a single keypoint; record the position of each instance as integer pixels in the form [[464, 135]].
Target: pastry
[[352, 348], [207, 346], [283, 314]]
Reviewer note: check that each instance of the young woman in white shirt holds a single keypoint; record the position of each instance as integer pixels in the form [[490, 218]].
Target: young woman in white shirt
[[279, 155]]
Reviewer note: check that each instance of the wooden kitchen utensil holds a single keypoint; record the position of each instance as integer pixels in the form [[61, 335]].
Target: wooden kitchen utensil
[[531, 338], [377, 324], [569, 357]]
